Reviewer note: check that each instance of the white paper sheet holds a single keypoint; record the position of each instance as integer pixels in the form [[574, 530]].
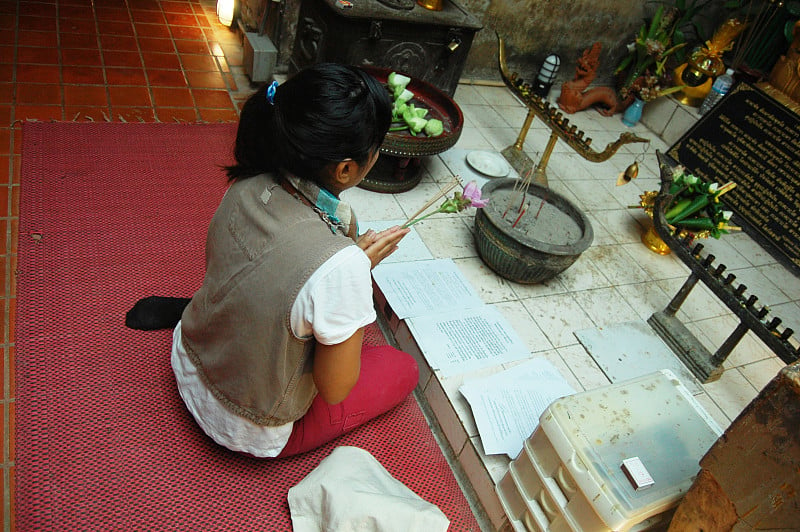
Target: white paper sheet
[[411, 248], [507, 405], [425, 286], [462, 340]]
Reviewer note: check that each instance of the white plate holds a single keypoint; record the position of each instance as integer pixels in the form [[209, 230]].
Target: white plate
[[489, 163]]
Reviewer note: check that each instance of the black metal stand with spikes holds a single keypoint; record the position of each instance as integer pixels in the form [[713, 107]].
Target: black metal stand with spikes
[[705, 365]]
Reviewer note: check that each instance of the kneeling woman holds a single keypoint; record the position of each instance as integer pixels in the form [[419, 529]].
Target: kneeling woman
[[268, 355]]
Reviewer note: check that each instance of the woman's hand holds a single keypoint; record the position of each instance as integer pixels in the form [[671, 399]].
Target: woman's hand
[[378, 246]]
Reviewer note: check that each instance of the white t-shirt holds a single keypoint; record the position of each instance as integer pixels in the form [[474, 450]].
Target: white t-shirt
[[344, 278]]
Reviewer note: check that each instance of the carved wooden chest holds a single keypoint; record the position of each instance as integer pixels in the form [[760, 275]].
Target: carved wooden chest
[[395, 34]]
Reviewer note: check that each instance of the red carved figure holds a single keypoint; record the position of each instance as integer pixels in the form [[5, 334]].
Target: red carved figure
[[574, 94]]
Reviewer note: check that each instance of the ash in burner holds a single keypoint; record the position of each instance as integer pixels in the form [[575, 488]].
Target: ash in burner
[[541, 221], [399, 4]]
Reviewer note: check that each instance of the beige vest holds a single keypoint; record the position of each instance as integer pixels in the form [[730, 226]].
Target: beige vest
[[262, 246]]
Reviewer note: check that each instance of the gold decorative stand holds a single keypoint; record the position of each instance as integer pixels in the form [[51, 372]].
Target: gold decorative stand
[[559, 127], [654, 242]]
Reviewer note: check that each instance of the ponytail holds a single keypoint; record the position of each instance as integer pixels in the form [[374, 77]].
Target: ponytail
[[325, 113], [253, 136]]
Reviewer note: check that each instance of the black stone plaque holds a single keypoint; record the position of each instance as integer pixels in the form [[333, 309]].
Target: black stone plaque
[[753, 140]]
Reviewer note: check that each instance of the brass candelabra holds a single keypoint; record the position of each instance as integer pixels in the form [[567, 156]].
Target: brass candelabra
[[560, 127]]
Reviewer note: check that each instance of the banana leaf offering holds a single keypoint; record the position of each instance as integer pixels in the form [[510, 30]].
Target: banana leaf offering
[[405, 115], [696, 207]]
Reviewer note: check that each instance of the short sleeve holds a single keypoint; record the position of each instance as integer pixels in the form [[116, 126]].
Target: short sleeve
[[336, 300]]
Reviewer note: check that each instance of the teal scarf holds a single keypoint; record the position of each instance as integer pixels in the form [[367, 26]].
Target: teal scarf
[[333, 211]]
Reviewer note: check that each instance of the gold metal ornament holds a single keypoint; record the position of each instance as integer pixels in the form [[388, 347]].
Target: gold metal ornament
[[433, 5], [653, 241], [630, 173], [705, 64]]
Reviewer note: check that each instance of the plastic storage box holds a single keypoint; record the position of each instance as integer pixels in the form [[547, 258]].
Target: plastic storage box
[[569, 475]]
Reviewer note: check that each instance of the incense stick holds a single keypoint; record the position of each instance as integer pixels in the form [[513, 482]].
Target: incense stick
[[434, 199], [520, 186], [521, 214], [544, 200]]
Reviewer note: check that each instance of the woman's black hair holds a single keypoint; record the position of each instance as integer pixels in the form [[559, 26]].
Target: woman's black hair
[[325, 113]]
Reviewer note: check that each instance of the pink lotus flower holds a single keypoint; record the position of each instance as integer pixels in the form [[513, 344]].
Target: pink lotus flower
[[469, 197], [473, 194]]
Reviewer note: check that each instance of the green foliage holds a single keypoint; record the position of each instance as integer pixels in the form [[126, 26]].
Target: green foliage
[[696, 205], [687, 14], [645, 65]]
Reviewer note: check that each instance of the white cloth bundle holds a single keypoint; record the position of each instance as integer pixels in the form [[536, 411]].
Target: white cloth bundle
[[351, 491]]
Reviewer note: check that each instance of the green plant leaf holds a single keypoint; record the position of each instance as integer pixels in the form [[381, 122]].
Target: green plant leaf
[[624, 64], [670, 90], [656, 22], [698, 29], [673, 49]]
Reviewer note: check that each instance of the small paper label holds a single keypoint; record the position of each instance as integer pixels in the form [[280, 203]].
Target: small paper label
[[636, 472]]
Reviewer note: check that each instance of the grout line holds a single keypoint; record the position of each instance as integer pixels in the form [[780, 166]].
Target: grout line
[[7, 495], [455, 465], [8, 393]]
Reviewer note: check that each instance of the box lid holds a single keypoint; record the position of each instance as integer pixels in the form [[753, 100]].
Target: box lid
[[654, 418]]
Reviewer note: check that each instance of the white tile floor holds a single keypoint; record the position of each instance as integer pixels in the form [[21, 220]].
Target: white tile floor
[[617, 280]]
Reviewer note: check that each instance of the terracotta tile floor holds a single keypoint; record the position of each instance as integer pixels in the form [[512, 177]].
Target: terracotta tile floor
[[99, 60]]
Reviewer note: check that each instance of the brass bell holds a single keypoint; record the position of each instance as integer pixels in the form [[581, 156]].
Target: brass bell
[[630, 173]]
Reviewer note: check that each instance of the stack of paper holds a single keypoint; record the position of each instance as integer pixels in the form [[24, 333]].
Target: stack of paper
[[458, 333], [454, 329], [507, 405]]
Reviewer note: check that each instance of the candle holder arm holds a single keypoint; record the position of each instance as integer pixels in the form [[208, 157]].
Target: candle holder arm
[[554, 119]]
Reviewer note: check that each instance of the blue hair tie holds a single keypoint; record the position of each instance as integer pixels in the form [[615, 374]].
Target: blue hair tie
[[271, 92]]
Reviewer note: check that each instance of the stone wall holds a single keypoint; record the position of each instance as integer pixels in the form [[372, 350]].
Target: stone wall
[[532, 30]]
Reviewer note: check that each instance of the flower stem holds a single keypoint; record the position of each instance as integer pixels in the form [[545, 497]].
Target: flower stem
[[412, 222]]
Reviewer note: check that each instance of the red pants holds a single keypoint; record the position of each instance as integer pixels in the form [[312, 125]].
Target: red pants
[[387, 377]]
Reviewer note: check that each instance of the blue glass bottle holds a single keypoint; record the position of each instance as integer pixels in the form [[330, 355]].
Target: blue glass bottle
[[633, 113]]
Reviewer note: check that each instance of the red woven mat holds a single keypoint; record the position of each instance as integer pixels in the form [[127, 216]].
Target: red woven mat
[[111, 213]]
